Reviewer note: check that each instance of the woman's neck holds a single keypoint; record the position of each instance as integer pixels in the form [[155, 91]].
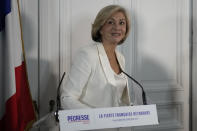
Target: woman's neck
[[109, 48]]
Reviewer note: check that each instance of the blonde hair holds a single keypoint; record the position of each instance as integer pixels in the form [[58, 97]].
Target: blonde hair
[[103, 15]]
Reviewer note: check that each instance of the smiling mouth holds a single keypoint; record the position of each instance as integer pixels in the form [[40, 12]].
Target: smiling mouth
[[116, 34]]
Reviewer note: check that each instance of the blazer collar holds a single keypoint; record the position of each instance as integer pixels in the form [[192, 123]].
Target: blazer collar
[[105, 63]]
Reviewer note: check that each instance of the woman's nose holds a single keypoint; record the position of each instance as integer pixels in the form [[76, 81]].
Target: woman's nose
[[117, 26]]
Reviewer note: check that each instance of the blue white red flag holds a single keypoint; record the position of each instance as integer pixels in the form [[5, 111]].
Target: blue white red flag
[[16, 108]]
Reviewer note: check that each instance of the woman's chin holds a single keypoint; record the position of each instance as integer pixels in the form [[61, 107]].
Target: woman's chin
[[116, 41]]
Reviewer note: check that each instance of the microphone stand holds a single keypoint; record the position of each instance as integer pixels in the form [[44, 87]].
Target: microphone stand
[[51, 115], [58, 99], [143, 92]]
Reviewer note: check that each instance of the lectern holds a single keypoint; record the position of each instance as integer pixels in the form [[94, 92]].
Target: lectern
[[101, 118]]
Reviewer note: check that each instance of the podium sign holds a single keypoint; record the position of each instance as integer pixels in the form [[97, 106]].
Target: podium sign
[[100, 118]]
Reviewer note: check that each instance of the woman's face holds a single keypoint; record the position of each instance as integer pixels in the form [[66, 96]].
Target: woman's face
[[114, 29]]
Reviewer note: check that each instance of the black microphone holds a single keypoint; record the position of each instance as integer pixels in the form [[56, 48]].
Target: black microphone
[[58, 98], [143, 92]]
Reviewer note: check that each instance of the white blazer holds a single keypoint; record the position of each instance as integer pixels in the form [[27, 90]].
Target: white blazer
[[90, 83]]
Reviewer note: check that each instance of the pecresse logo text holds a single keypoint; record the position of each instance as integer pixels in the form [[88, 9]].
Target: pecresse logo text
[[78, 118]]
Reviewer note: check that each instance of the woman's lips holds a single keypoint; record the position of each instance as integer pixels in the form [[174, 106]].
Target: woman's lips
[[116, 34]]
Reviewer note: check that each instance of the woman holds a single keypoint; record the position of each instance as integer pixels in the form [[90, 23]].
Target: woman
[[96, 78]]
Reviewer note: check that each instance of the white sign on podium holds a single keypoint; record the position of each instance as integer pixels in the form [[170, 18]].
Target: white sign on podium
[[100, 118]]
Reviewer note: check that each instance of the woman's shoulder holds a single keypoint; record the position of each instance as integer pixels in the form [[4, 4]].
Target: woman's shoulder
[[89, 49]]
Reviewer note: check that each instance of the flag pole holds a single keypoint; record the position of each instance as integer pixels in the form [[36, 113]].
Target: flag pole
[[29, 125]]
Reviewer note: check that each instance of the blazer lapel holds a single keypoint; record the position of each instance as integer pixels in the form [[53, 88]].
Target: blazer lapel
[[120, 60], [107, 70], [105, 64]]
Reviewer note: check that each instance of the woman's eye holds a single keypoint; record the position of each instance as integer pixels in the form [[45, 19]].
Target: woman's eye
[[110, 22], [122, 22]]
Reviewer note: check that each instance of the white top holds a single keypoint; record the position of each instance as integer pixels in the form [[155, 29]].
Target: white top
[[120, 84]]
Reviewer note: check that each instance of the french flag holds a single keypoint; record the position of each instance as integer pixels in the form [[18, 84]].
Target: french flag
[[16, 108]]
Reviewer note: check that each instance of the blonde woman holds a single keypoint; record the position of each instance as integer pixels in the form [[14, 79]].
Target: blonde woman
[[96, 78]]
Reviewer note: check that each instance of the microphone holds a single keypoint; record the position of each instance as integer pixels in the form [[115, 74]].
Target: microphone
[[50, 116], [143, 92], [58, 98]]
